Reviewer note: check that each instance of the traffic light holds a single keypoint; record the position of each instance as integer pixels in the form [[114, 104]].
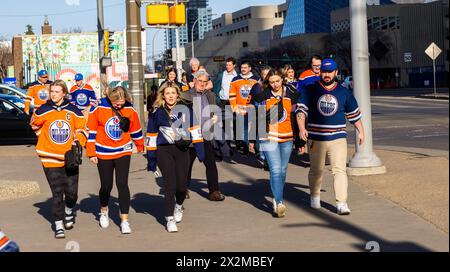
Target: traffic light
[[163, 14], [108, 40]]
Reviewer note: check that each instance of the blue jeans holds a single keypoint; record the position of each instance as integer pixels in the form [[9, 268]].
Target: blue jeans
[[277, 156]]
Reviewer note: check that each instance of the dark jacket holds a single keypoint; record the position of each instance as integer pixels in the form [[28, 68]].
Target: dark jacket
[[189, 96]]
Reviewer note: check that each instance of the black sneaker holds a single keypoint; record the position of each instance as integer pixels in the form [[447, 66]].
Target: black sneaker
[[59, 234]]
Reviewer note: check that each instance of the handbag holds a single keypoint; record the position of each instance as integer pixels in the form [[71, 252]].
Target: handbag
[[73, 157], [124, 122], [181, 143]]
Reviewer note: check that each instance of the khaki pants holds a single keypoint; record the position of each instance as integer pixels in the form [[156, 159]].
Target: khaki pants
[[337, 153]]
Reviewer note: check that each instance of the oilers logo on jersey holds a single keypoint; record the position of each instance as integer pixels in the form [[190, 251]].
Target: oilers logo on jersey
[[112, 128], [82, 99], [245, 90], [43, 94], [327, 105], [60, 132]]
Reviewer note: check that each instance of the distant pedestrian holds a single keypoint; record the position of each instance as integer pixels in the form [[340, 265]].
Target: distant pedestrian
[[171, 77], [151, 98], [113, 126], [37, 92], [59, 126], [82, 95], [240, 97], [223, 81], [169, 134], [289, 75], [312, 74], [194, 63], [328, 105]]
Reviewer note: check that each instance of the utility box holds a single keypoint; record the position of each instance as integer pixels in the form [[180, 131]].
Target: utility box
[[177, 14], [158, 14]]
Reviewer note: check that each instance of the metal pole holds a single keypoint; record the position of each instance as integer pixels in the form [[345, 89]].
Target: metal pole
[[192, 38], [134, 56], [434, 75], [101, 44], [364, 156], [153, 50], [178, 59]]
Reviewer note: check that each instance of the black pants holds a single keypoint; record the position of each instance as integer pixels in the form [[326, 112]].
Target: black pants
[[64, 186], [174, 166], [106, 171], [212, 176]]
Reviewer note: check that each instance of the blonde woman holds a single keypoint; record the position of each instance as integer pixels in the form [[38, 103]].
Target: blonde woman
[[170, 131], [289, 75], [113, 127]]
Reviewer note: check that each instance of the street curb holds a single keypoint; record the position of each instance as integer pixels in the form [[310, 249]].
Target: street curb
[[432, 96], [366, 171], [18, 189], [414, 150]]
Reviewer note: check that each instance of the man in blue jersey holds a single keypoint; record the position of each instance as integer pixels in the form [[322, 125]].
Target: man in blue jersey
[[328, 105], [82, 95]]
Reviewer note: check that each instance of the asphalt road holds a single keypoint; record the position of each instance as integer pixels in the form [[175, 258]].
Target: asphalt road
[[409, 122]]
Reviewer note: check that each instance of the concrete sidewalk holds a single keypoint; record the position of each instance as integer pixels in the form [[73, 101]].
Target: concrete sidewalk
[[243, 222]]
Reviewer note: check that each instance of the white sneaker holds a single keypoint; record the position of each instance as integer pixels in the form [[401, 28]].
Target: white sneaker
[[104, 219], [342, 209], [171, 224], [315, 202], [125, 227], [178, 213], [281, 210]]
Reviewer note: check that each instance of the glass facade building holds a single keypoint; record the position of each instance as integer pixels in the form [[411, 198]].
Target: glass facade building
[[313, 16]]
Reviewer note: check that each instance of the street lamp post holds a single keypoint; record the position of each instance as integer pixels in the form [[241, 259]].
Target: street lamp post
[[153, 50], [192, 35]]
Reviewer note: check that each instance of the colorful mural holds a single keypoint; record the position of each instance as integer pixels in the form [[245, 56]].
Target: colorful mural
[[64, 55]]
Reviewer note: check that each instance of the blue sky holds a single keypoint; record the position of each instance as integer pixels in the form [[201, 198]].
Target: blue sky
[[65, 14]]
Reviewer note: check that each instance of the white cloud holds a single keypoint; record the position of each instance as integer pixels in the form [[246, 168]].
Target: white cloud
[[72, 2]]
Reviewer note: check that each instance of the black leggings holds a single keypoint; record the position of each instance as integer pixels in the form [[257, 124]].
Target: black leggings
[[174, 166], [106, 170], [212, 176], [64, 186]]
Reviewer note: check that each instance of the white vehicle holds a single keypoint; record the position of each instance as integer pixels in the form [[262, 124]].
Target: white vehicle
[[348, 83], [12, 90]]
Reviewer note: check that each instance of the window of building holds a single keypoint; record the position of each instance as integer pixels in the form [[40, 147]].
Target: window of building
[[244, 44], [276, 15]]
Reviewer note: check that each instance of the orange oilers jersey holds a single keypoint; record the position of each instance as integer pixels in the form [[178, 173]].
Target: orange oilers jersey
[[282, 131], [37, 94], [106, 140], [56, 128], [240, 90]]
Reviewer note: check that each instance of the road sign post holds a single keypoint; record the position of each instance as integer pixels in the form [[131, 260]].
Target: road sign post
[[433, 51]]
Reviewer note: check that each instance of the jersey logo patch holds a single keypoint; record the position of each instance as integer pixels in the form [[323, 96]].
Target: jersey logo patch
[[327, 105], [112, 128], [60, 132], [245, 90], [43, 94], [82, 99]]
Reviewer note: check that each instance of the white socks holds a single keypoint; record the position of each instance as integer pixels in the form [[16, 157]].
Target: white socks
[[68, 211], [59, 224]]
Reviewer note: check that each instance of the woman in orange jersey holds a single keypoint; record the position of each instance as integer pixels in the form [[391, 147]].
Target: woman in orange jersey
[[279, 101], [113, 126], [59, 125]]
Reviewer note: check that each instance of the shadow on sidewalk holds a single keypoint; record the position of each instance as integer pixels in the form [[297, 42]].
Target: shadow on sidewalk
[[45, 210], [150, 204], [256, 191], [91, 205]]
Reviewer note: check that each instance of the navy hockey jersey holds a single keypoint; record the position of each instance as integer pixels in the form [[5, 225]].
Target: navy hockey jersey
[[328, 110]]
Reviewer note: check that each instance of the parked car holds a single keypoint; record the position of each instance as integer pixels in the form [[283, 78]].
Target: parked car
[[14, 123], [12, 90], [348, 83]]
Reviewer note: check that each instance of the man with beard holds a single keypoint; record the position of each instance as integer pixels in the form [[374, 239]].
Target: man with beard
[[328, 105]]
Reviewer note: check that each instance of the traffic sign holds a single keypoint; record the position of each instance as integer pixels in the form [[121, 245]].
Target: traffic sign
[[407, 57], [433, 51]]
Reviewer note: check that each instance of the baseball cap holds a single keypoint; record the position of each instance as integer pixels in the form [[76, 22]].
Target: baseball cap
[[42, 73], [78, 77], [328, 65]]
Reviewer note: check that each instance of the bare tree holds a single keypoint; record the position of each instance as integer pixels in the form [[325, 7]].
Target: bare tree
[[6, 59]]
